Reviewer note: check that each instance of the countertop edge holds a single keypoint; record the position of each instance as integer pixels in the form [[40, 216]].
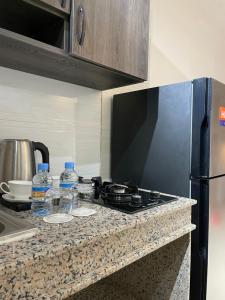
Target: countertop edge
[[74, 287]]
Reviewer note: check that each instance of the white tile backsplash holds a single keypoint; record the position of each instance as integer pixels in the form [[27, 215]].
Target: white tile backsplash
[[65, 117]]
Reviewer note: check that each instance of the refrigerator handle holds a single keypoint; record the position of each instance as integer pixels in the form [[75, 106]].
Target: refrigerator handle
[[204, 216], [206, 178], [200, 191], [200, 131]]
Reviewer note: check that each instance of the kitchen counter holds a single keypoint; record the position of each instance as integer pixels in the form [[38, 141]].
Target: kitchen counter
[[62, 260]]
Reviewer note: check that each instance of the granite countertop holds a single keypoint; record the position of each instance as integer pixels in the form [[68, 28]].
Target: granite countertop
[[63, 259]]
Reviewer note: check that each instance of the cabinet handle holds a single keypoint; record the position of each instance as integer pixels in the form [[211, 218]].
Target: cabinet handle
[[81, 25], [63, 3]]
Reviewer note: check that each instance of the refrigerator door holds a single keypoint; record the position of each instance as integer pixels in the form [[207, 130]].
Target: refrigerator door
[[217, 128], [216, 241], [151, 138]]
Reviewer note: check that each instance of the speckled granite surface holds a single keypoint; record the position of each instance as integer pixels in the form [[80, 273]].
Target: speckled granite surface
[[63, 260]]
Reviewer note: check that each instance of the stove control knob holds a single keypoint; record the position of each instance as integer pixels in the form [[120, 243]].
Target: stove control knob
[[155, 195], [136, 200]]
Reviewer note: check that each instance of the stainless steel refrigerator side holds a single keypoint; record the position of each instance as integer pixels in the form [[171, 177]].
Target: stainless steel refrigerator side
[[217, 131], [216, 240]]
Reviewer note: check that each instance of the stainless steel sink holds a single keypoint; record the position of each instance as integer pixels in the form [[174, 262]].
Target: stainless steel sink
[[14, 229]]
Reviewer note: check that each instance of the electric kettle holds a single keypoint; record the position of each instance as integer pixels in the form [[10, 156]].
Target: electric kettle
[[17, 159]]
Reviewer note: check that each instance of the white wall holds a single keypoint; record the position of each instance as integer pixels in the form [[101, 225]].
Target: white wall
[[186, 42], [65, 117]]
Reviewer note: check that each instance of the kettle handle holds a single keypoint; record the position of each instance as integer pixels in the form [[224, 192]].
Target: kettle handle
[[44, 151]]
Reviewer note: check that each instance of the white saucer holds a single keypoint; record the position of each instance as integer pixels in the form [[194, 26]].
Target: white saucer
[[83, 212], [11, 198], [58, 218]]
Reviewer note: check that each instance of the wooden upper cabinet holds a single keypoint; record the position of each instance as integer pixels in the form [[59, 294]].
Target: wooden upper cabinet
[[63, 5], [101, 44], [112, 33]]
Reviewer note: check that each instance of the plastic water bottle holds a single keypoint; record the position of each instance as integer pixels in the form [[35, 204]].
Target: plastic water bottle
[[68, 201], [69, 177], [42, 182]]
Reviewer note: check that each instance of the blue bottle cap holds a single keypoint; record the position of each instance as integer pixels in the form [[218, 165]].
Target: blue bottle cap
[[69, 165], [43, 167]]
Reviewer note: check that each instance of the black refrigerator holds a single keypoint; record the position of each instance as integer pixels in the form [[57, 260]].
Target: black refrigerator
[[172, 139]]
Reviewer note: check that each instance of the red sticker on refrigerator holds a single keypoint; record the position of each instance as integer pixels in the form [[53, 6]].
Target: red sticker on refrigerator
[[222, 116]]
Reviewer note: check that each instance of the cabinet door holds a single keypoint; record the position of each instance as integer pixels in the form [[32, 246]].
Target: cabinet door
[[63, 5], [112, 33]]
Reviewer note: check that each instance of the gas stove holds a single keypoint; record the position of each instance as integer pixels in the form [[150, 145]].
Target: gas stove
[[128, 198]]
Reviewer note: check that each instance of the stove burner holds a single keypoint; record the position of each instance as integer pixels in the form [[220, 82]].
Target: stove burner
[[136, 201], [118, 189]]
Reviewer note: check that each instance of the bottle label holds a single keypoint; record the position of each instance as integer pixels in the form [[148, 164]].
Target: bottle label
[[67, 185], [39, 192]]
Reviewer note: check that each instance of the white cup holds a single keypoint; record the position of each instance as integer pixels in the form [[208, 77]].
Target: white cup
[[19, 189]]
